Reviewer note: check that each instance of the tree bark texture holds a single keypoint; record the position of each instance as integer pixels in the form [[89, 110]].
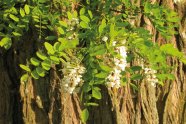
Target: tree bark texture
[[42, 102]]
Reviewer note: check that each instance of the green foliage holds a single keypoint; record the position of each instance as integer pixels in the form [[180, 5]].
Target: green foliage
[[84, 115], [91, 36]]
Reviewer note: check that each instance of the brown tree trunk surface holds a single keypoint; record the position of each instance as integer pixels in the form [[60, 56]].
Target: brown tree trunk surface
[[41, 101]]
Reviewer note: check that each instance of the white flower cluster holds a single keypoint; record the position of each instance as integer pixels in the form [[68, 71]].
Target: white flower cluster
[[113, 80], [151, 76], [72, 77]]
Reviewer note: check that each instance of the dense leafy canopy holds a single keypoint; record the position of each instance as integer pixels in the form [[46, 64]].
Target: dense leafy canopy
[[90, 34]]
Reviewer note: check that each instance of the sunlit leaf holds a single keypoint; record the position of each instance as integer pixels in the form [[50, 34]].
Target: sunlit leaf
[[84, 115], [24, 67], [27, 9], [34, 74], [41, 55], [34, 61], [49, 48], [13, 17]]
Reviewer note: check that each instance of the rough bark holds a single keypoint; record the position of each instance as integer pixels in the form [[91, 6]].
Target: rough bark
[[42, 102]]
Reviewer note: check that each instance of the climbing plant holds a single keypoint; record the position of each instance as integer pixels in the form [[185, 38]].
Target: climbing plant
[[94, 42]]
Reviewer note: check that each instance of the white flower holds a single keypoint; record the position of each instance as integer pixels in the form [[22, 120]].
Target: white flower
[[105, 38], [114, 78], [150, 76], [72, 77]]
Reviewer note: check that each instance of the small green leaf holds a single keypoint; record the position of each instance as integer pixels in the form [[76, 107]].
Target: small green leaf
[[13, 17], [84, 115], [55, 59], [16, 34], [102, 26], [46, 64], [96, 93], [90, 14], [56, 46], [24, 78], [61, 31], [24, 67], [41, 55], [84, 18], [49, 48], [135, 68], [101, 75], [34, 61], [82, 11], [27, 9], [22, 12], [84, 24], [34, 74], [5, 41], [136, 77], [70, 16], [98, 52], [63, 23], [51, 38], [40, 71], [105, 68]]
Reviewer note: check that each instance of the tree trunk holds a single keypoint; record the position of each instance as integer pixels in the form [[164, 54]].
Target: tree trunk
[[42, 102]]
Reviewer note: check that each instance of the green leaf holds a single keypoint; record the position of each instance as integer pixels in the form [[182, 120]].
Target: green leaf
[[62, 23], [56, 46], [27, 9], [96, 93], [82, 11], [105, 68], [16, 34], [84, 115], [165, 76], [13, 17], [34, 74], [46, 64], [84, 24], [102, 26], [101, 75], [22, 12], [51, 38], [98, 52], [40, 71], [24, 67], [60, 30], [55, 59], [90, 14], [84, 18], [136, 77], [75, 14], [135, 68], [34, 61], [70, 16], [5, 41], [49, 48], [112, 33], [24, 78], [41, 55]]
